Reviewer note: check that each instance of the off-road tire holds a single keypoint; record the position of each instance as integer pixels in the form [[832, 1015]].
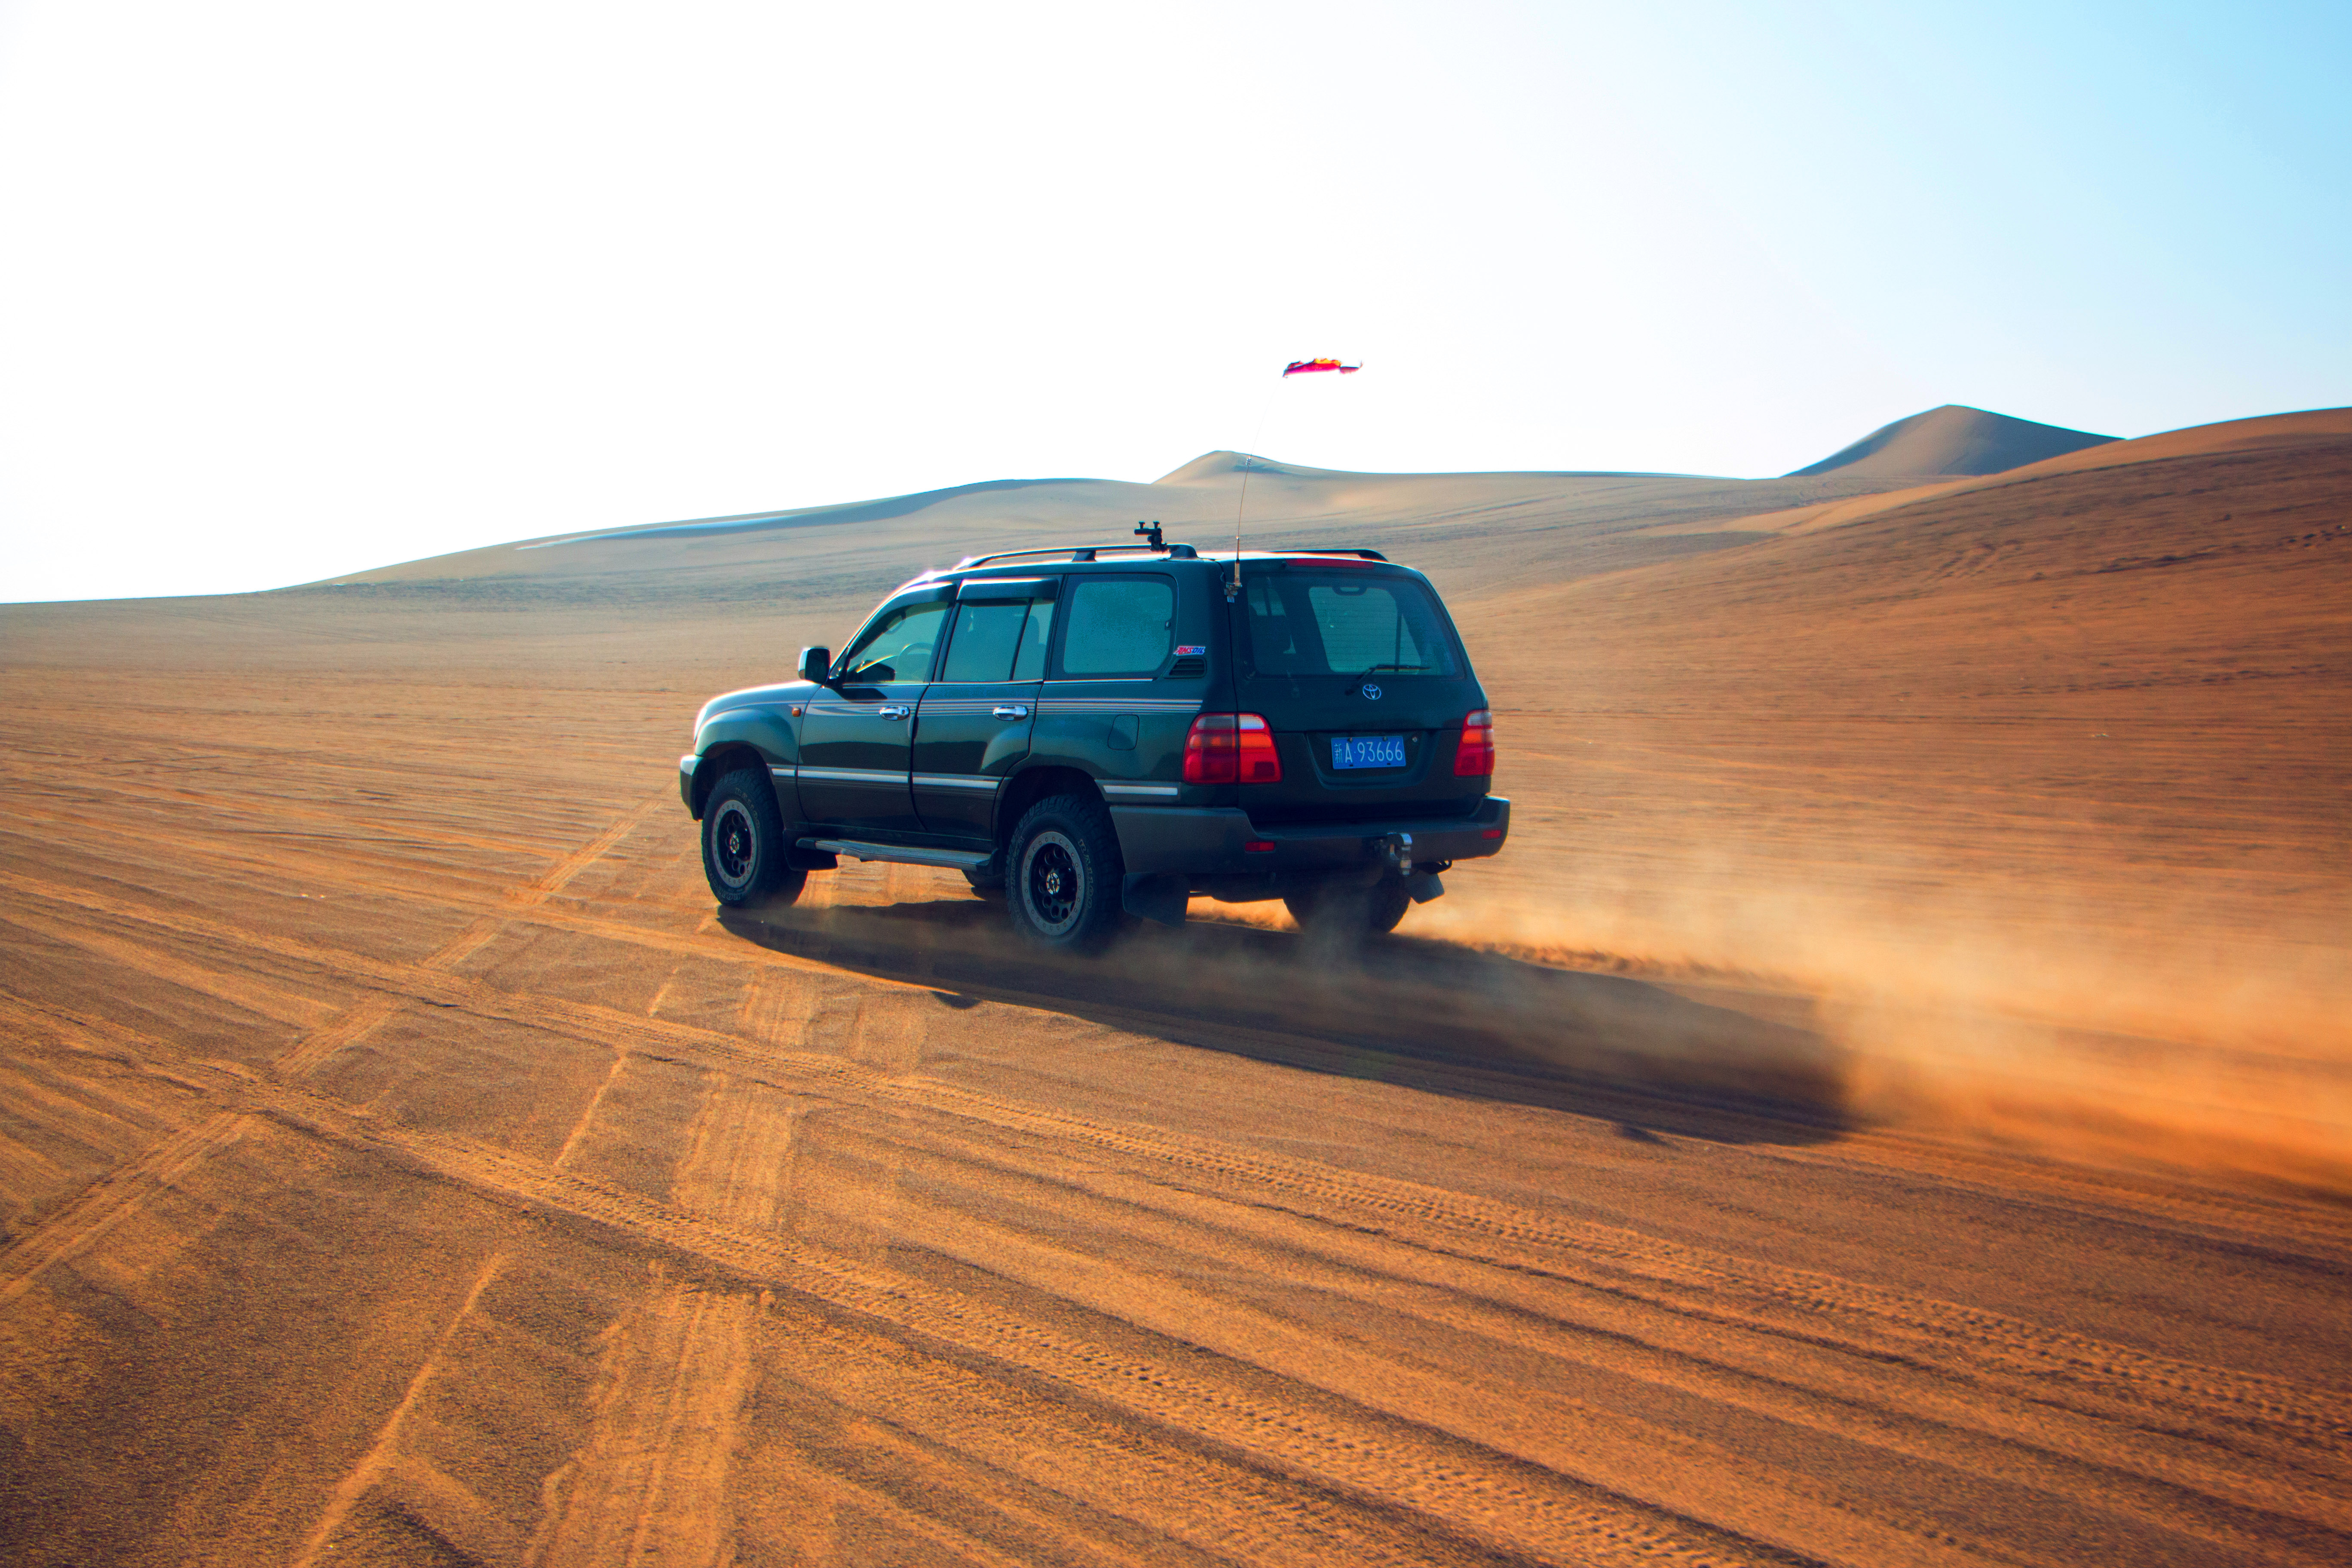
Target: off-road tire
[[1339, 913], [1063, 875], [743, 844]]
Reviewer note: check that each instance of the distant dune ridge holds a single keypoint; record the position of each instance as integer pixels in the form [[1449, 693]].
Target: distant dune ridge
[[1493, 526], [1577, 523], [1952, 440]]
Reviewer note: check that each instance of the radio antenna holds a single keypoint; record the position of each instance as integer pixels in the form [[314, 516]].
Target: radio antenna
[[1234, 588]]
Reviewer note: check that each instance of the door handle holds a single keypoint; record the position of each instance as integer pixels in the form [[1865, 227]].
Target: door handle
[[1010, 710], [891, 710]]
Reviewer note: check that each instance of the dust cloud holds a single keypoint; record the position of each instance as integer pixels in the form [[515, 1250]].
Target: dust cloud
[[2159, 1040]]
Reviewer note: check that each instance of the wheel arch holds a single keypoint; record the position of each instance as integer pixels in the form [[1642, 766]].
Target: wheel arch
[[717, 762], [1030, 785]]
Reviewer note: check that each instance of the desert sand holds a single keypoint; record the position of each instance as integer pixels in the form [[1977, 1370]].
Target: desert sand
[[1892, 1104]]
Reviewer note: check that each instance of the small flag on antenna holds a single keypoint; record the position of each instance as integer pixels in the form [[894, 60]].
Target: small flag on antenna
[[1309, 366]]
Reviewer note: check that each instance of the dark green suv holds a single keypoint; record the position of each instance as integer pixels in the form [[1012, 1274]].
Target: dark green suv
[[1109, 731]]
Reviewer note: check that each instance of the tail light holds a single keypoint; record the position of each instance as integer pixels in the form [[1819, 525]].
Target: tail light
[[1474, 756], [1231, 747]]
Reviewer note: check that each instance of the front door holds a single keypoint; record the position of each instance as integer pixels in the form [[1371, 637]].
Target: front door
[[858, 738], [974, 723]]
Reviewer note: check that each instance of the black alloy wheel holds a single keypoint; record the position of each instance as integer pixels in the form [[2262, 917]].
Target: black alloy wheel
[[743, 849], [1065, 873]]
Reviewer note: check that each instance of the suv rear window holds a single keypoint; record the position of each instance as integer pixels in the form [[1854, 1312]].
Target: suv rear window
[[1303, 623]]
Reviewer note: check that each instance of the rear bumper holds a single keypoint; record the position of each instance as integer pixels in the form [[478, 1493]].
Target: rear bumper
[[1213, 841]]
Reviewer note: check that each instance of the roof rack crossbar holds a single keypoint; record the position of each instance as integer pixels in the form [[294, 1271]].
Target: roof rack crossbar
[[1080, 552], [1332, 549]]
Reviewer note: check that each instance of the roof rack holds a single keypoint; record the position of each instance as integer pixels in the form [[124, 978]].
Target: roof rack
[[1332, 549], [1081, 552]]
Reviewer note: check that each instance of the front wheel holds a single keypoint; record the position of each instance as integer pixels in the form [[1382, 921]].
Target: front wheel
[[743, 848], [1337, 913], [1061, 884]]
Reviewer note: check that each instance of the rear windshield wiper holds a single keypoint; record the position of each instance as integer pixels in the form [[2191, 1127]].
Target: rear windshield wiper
[[1368, 668]]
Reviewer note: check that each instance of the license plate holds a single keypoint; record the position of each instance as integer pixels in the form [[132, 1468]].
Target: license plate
[[1367, 750]]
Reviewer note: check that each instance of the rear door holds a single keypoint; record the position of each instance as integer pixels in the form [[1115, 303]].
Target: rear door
[[1358, 674], [976, 719], [858, 738], [1121, 695]]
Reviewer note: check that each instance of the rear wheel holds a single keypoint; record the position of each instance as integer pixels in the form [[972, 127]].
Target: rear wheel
[[743, 848], [1335, 911], [1061, 884]]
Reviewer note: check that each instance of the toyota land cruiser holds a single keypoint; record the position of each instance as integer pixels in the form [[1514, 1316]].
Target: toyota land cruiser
[[1099, 731]]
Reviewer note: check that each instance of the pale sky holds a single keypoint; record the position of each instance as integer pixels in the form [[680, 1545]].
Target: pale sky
[[294, 289]]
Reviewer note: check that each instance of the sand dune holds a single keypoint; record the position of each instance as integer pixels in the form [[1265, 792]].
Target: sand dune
[[2308, 432], [1482, 528], [1953, 440], [1889, 1106]]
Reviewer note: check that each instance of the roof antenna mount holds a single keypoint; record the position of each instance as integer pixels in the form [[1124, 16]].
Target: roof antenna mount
[[1150, 534]]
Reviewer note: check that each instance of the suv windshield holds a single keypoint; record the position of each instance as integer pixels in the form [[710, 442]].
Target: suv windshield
[[896, 646], [1305, 623]]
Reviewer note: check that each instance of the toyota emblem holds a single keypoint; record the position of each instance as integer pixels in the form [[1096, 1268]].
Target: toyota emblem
[[1371, 692]]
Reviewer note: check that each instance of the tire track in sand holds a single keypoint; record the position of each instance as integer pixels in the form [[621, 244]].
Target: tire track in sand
[[221, 814], [383, 1458], [676, 1331], [1379, 1459], [1801, 1304], [652, 1481], [348, 964], [1686, 1279], [390, 878], [122, 1192], [2026, 1360], [1375, 1458], [533, 894], [244, 991], [942, 1426], [1530, 1316]]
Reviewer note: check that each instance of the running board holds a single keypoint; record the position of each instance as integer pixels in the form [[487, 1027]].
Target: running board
[[954, 859]]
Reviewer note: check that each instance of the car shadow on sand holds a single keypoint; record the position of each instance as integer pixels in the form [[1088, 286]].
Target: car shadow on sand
[[1729, 1067]]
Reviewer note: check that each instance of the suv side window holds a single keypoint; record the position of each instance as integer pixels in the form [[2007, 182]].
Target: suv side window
[[1029, 657], [1118, 625], [997, 642], [896, 646]]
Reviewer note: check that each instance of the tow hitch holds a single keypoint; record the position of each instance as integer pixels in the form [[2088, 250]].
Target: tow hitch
[[1420, 883]]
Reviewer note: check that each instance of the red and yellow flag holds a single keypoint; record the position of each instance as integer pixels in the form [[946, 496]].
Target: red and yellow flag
[[1308, 367]]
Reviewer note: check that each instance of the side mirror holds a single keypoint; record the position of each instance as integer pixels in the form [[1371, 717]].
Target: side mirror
[[816, 663]]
